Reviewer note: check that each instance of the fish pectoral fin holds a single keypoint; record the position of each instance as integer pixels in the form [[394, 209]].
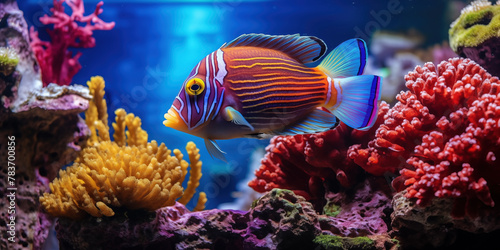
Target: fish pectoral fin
[[318, 121], [214, 150], [237, 118], [259, 136]]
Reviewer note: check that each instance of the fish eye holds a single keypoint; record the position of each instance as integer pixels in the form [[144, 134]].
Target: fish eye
[[195, 86]]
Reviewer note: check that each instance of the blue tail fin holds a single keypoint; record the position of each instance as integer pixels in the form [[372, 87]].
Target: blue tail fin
[[358, 105], [347, 59]]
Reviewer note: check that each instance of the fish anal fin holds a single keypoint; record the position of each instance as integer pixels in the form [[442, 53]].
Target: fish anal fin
[[214, 150], [319, 120]]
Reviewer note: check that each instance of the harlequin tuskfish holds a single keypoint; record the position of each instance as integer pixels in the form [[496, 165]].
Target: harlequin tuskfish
[[258, 85]]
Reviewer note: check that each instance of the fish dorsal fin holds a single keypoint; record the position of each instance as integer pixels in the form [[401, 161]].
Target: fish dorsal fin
[[304, 49], [318, 121], [347, 59]]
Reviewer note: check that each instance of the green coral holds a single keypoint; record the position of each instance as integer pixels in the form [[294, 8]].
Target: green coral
[[396, 242], [254, 203], [331, 209], [278, 193], [332, 242], [8, 60], [478, 22], [289, 201], [329, 241]]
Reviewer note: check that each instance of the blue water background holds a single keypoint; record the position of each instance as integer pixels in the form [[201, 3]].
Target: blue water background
[[155, 44]]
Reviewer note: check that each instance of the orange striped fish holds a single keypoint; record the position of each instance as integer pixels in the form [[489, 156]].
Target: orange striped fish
[[257, 86]]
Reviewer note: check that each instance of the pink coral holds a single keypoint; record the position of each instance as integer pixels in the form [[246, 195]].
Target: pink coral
[[301, 162], [57, 63], [443, 133]]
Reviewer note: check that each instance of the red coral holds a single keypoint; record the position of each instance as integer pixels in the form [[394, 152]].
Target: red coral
[[433, 93], [445, 130], [463, 167], [301, 162], [57, 63]]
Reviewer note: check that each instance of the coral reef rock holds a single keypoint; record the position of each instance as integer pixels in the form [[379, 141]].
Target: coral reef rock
[[48, 134], [433, 224], [15, 38], [44, 131], [475, 34], [278, 220], [360, 211], [8, 61]]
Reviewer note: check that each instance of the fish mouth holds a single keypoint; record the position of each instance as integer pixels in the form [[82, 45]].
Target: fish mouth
[[172, 120]]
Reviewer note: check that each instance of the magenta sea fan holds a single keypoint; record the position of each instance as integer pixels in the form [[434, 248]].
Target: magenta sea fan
[[58, 64]]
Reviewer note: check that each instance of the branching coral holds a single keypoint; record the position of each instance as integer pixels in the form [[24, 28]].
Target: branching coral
[[433, 93], [437, 133], [97, 113], [57, 63], [129, 172], [464, 166], [301, 162]]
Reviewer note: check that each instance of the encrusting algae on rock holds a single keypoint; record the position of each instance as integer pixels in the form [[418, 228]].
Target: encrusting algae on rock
[[476, 34], [128, 172], [8, 60], [478, 22]]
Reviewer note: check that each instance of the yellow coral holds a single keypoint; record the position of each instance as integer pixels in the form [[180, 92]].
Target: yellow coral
[[129, 172], [135, 134], [194, 174], [97, 111], [201, 202], [107, 176], [119, 127]]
